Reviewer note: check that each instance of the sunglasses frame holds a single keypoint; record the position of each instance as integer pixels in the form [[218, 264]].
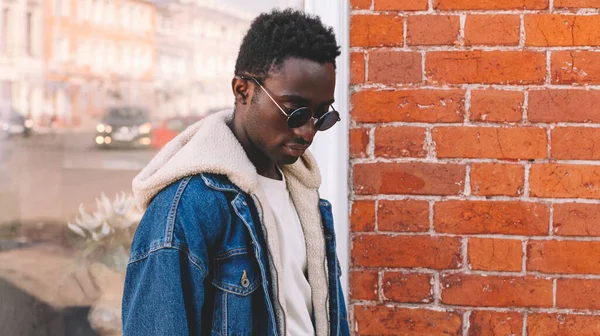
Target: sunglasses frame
[[317, 121]]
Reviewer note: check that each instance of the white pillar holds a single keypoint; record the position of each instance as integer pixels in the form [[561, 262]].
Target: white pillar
[[331, 147]]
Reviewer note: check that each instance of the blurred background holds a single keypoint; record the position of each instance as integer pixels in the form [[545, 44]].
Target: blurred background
[[89, 91]]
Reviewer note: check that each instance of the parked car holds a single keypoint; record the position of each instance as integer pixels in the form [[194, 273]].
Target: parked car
[[14, 123], [168, 129], [124, 126]]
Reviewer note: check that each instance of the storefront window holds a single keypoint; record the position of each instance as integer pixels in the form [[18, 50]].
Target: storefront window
[[86, 100]]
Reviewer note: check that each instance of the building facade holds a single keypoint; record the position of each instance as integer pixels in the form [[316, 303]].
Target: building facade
[[99, 53], [21, 56], [197, 44]]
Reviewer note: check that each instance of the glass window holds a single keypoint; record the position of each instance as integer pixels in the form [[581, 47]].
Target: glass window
[[69, 156]]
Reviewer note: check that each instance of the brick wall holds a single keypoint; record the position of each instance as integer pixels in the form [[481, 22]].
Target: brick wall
[[475, 186]]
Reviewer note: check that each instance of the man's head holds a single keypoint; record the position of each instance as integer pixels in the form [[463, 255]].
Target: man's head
[[286, 61]]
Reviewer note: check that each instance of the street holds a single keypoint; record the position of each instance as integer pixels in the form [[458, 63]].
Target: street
[[47, 177]]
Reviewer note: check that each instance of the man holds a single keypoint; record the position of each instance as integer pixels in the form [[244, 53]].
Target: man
[[235, 240]]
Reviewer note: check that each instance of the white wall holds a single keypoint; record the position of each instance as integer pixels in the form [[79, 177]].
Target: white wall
[[331, 147]]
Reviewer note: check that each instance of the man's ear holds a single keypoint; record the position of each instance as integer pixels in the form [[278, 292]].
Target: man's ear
[[241, 90]]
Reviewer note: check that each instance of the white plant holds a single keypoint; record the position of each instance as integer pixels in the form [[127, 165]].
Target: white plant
[[110, 217], [109, 229]]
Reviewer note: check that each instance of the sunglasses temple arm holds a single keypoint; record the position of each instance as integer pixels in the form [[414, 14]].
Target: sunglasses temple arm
[[269, 95]]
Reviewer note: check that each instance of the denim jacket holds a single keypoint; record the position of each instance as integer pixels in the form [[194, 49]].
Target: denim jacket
[[199, 265], [202, 261]]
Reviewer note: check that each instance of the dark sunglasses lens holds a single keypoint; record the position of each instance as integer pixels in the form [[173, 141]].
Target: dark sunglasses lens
[[299, 117], [328, 120]]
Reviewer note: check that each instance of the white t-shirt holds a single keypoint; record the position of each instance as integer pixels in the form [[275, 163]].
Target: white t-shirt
[[297, 292]]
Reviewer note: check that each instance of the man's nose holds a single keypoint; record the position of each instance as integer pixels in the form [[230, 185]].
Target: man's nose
[[307, 131]]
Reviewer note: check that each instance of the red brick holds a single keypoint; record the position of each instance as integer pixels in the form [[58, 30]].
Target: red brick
[[564, 180], [546, 30], [406, 251], [564, 106], [403, 216], [575, 143], [497, 106], [400, 5], [568, 257], [491, 142], [484, 322], [578, 293], [431, 106], [362, 217], [393, 142], [359, 140], [576, 4], [486, 254], [492, 30], [432, 30], [486, 67], [364, 285], [408, 287], [562, 325], [495, 179], [394, 67], [496, 291], [360, 4], [384, 320], [414, 178], [575, 67], [376, 31], [357, 68], [576, 219], [491, 217], [489, 4]]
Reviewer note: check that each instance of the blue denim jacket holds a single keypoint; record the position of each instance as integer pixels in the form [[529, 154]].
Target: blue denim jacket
[[199, 265]]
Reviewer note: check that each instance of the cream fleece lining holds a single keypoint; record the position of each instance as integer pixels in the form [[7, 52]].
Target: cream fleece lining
[[209, 146]]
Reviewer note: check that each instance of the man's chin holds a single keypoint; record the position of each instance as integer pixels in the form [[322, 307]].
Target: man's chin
[[287, 160]]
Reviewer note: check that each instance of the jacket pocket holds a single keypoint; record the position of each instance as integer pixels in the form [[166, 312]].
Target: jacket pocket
[[237, 273], [236, 278]]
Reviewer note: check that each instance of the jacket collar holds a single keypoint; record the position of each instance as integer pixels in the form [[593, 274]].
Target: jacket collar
[[209, 146]]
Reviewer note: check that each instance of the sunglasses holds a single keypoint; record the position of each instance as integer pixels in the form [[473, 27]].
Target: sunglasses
[[300, 116]]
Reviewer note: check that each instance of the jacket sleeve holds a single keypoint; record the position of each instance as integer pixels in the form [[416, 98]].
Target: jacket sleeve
[[163, 294]]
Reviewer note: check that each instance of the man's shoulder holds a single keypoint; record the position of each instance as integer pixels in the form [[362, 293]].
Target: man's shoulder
[[203, 188], [186, 210]]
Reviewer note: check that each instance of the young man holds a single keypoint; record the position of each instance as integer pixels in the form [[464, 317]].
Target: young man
[[235, 240]]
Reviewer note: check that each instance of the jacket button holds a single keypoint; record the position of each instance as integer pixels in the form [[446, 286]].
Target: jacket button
[[245, 282], [244, 203]]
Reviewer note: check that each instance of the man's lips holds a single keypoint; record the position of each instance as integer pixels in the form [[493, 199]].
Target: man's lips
[[295, 149]]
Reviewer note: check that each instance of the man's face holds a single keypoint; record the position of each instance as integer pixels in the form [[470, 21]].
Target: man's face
[[297, 83]]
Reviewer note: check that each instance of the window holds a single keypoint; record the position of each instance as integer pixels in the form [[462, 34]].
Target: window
[[125, 17], [60, 47], [61, 8], [81, 10], [97, 6], [5, 30], [109, 13], [29, 34], [86, 59], [58, 7]]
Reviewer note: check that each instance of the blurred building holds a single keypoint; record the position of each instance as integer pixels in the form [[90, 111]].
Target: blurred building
[[99, 53], [21, 56], [197, 44]]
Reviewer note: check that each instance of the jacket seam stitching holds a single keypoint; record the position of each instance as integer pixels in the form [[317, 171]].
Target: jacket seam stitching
[[225, 313], [231, 253], [173, 211], [214, 187], [186, 251]]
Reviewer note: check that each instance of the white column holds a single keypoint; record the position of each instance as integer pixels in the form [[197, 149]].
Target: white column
[[331, 147]]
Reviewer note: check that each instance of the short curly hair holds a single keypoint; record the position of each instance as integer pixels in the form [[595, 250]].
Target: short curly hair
[[282, 34]]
